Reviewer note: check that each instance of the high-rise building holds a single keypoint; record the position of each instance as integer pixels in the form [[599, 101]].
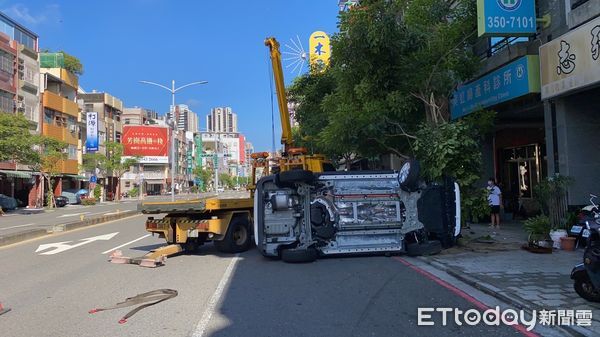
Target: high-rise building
[[222, 119], [187, 120], [19, 93]]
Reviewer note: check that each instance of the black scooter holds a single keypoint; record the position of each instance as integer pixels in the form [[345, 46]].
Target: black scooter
[[586, 275]]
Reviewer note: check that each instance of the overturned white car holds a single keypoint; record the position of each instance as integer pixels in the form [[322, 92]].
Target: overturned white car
[[299, 215]]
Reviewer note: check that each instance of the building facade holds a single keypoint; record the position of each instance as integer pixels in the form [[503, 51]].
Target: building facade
[[61, 117], [19, 93], [222, 119], [138, 116], [545, 120], [110, 129]]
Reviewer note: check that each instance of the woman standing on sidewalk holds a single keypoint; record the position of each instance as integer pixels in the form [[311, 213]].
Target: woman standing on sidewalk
[[495, 200]]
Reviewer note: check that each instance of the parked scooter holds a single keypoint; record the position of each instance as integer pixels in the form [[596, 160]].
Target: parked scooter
[[586, 275]]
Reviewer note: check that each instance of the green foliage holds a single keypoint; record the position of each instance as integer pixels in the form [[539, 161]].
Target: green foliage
[[226, 180], [537, 227], [205, 176], [73, 64], [16, 141], [134, 192], [116, 164], [453, 149], [551, 196], [97, 191], [394, 64], [92, 161]]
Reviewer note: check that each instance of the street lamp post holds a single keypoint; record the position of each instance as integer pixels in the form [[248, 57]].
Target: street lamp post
[[173, 90]]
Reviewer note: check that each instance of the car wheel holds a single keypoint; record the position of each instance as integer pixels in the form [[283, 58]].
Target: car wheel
[[294, 255], [294, 176], [424, 248], [409, 175]]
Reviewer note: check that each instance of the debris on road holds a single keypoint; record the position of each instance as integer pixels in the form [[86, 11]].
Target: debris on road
[[154, 297], [3, 310]]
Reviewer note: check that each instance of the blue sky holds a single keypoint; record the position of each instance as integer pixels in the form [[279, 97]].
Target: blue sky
[[122, 42]]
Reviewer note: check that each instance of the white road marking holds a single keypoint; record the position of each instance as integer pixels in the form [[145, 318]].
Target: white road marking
[[212, 303], [29, 224], [125, 244], [60, 247], [73, 214]]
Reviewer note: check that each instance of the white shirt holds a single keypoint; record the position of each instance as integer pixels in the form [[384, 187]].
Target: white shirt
[[494, 195]]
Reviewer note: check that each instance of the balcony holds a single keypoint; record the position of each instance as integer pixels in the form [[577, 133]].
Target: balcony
[[70, 166], [60, 133], [55, 102], [67, 77]]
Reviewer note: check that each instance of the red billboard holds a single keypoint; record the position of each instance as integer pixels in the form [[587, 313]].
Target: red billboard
[[149, 142]]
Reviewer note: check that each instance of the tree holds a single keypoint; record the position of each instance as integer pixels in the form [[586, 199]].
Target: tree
[[16, 141], [226, 180], [116, 164], [205, 175], [73, 64], [53, 154]]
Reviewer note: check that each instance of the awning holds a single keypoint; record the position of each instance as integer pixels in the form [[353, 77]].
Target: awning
[[17, 174], [154, 181], [75, 176]]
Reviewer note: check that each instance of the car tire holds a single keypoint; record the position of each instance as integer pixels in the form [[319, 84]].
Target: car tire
[[409, 175], [294, 255], [287, 178], [424, 248], [238, 237]]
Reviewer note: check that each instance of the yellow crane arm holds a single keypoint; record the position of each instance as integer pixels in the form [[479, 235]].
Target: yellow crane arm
[[286, 128]]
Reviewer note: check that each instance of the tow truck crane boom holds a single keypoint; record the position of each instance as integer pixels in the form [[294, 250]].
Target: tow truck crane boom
[[286, 128]]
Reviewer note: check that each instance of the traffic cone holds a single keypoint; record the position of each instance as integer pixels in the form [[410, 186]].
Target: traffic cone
[[3, 310]]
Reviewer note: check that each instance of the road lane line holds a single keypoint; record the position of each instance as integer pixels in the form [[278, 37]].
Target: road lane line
[[29, 224], [125, 244], [72, 214], [212, 303], [480, 305]]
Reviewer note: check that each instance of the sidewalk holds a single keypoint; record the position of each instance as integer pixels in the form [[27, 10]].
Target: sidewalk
[[525, 280]]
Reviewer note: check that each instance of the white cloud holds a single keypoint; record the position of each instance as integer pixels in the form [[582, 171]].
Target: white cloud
[[22, 14], [192, 102]]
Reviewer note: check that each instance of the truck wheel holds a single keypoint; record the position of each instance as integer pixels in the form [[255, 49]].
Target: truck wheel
[[294, 255], [237, 239], [424, 248], [409, 175], [294, 176]]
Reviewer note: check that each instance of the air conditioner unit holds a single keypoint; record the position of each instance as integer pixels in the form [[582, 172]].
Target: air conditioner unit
[[73, 128], [20, 105]]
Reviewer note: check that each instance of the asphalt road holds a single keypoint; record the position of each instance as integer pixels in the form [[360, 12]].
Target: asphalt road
[[18, 220], [51, 291]]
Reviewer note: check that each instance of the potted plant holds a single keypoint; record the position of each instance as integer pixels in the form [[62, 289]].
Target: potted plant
[[551, 195], [538, 228]]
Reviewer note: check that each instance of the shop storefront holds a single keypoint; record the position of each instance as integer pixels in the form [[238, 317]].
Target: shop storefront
[[570, 78], [515, 153]]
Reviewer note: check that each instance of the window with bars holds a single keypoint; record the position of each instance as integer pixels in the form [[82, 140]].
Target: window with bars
[[72, 149], [7, 103], [6, 62]]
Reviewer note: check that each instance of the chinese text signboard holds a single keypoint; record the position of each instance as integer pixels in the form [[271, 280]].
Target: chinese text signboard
[[506, 17], [91, 140], [320, 51], [571, 61], [514, 80], [149, 142]]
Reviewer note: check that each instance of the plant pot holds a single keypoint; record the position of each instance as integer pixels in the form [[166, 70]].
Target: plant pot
[[568, 243], [556, 236]]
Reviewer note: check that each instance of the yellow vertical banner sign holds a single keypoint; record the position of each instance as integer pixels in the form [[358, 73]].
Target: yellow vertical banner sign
[[320, 51]]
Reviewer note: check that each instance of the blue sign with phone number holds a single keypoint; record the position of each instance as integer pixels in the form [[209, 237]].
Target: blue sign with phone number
[[506, 17]]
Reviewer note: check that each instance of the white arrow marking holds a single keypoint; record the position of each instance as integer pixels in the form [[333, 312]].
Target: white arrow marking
[[60, 247]]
